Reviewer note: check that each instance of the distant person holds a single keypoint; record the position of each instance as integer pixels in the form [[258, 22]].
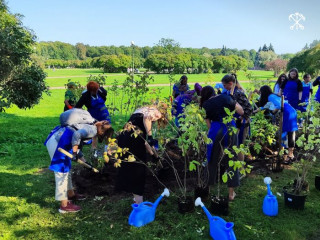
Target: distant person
[[279, 82], [70, 98], [94, 99], [306, 92], [183, 100], [292, 89], [316, 83], [181, 87]]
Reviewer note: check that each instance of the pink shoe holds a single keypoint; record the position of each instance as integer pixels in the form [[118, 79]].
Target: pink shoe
[[69, 208]]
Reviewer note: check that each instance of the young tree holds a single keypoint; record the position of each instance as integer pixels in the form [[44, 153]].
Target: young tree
[[21, 79]]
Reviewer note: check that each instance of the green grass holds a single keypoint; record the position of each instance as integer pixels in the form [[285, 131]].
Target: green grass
[[59, 77], [28, 209]]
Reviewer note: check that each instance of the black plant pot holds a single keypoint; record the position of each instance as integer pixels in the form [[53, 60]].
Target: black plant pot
[[294, 201], [185, 205], [317, 182], [203, 193], [219, 206]]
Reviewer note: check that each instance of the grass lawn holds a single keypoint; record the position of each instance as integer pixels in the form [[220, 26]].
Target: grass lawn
[[59, 77], [28, 209]]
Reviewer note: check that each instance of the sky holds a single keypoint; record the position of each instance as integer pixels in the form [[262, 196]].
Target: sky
[[241, 24]]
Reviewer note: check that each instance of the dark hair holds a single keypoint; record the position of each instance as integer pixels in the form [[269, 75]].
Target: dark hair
[[306, 75], [183, 77], [279, 81], [229, 78], [265, 92], [206, 93], [293, 70]]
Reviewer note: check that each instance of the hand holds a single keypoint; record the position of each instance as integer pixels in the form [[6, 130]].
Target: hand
[[69, 106], [75, 156]]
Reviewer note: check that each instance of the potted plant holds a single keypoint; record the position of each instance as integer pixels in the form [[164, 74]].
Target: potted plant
[[193, 142], [308, 148]]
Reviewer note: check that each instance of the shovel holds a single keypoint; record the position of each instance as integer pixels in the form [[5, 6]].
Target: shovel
[[87, 165]]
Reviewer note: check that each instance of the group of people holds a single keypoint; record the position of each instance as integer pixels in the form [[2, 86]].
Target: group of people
[[77, 126]]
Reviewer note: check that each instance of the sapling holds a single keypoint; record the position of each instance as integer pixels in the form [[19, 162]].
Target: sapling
[[308, 145]]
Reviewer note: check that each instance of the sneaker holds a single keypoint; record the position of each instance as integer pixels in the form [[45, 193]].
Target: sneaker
[[77, 197], [69, 208]]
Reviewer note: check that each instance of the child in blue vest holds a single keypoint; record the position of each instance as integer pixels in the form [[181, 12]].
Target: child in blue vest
[[306, 93], [292, 89]]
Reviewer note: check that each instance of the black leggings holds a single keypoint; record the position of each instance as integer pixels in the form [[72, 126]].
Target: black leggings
[[291, 139]]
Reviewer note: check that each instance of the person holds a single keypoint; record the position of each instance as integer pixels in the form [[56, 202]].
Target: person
[[70, 98], [280, 80], [94, 100], [214, 106], [292, 89], [76, 125], [233, 87], [289, 125], [181, 87], [306, 92], [316, 83], [131, 176], [183, 100]]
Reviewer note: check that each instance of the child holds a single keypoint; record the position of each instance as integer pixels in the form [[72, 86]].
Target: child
[[280, 80], [292, 89], [307, 92], [181, 87], [70, 98], [76, 125]]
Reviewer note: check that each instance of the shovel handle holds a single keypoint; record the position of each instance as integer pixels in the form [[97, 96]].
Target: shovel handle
[[78, 160]]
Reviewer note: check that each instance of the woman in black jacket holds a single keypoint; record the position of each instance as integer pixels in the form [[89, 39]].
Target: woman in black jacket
[[94, 99]]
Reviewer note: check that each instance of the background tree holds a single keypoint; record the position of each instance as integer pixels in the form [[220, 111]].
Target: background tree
[[21, 79], [277, 65], [81, 51]]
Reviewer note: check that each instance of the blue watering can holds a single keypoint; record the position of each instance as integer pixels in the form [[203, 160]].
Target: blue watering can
[[145, 212], [270, 202], [219, 228]]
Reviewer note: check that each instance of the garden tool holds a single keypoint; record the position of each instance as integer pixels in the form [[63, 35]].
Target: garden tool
[[87, 165], [219, 228], [145, 212], [270, 202]]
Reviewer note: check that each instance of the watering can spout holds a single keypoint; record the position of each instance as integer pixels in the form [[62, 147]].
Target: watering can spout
[[165, 193], [270, 203], [198, 202]]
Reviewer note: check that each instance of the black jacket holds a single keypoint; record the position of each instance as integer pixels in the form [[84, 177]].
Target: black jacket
[[85, 98]]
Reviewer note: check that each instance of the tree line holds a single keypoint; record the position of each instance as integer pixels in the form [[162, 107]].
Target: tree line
[[166, 56]]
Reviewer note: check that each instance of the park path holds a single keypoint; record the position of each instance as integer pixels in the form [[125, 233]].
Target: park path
[[115, 74], [150, 85]]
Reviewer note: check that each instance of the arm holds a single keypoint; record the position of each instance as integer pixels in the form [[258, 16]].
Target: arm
[[300, 96], [81, 101], [239, 109], [316, 82], [147, 125], [208, 122], [66, 102], [103, 93]]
